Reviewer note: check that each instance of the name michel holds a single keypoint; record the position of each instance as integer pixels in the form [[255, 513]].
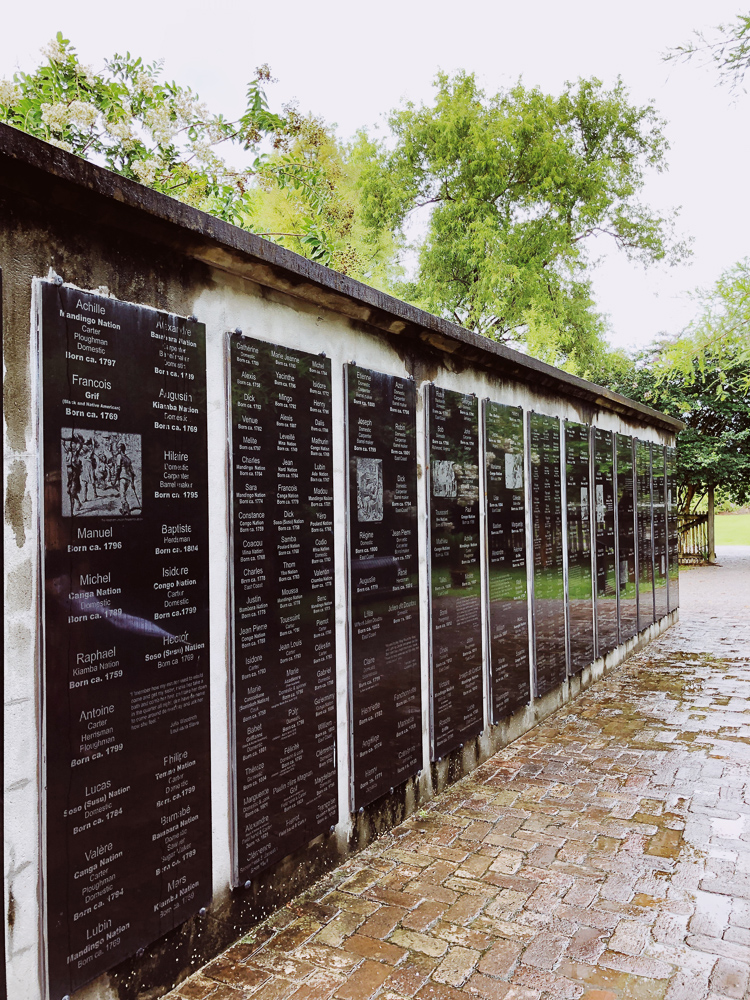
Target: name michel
[[94, 579]]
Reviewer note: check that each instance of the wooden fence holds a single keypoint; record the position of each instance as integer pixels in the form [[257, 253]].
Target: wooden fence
[[692, 531]]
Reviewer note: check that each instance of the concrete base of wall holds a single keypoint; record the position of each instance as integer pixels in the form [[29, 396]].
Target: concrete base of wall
[[175, 956]]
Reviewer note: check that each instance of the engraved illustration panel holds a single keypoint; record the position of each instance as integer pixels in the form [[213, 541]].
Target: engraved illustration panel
[[386, 700], [126, 678]]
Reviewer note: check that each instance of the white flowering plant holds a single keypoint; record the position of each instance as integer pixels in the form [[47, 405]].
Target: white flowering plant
[[128, 119]]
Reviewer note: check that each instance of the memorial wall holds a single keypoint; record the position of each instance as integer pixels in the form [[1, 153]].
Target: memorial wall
[[265, 601]]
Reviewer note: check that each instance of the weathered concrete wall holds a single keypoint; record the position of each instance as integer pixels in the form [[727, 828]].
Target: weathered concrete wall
[[59, 215]]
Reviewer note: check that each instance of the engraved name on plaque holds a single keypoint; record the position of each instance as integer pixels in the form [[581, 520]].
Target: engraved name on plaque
[[384, 630], [644, 507], [283, 636], [549, 584], [579, 588], [126, 676], [660, 531], [506, 559], [673, 582], [456, 688], [605, 549], [626, 580]]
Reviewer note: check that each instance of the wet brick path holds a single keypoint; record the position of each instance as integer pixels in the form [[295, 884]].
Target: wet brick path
[[604, 855]]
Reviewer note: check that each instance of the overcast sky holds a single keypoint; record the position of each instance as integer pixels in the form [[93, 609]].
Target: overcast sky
[[351, 62]]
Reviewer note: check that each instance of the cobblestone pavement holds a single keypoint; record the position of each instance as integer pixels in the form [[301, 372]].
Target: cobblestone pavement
[[605, 855]]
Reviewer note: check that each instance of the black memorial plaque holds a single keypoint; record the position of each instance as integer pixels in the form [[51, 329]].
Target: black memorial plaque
[[577, 503], [506, 559], [126, 675], [605, 548], [673, 575], [384, 632], [283, 609], [549, 583], [645, 520], [456, 683], [660, 531], [627, 579]]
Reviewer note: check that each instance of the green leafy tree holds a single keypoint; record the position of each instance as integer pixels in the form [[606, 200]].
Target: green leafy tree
[[127, 118], [726, 47], [517, 186], [713, 452], [720, 330], [336, 234]]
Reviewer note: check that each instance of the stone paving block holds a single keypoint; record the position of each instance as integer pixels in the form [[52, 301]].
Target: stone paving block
[[715, 946], [414, 940], [496, 927], [439, 991], [624, 985], [730, 978], [409, 977], [456, 966], [357, 883], [351, 904], [395, 898], [225, 970], [464, 910], [545, 951], [197, 988], [367, 947], [282, 965], [382, 922], [277, 988], [647, 968], [224, 991], [586, 945], [425, 914], [364, 982], [500, 959], [339, 928], [551, 985], [738, 935], [630, 937], [687, 986], [467, 937], [319, 986], [712, 913], [328, 958]]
